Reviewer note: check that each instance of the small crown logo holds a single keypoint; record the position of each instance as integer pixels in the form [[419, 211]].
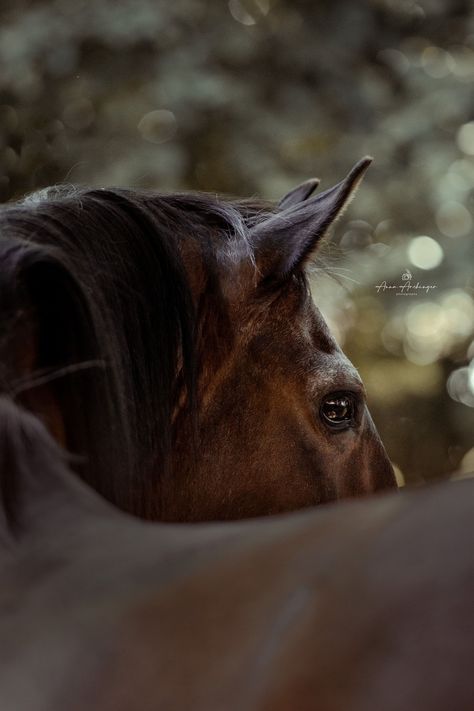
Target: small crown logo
[[406, 276]]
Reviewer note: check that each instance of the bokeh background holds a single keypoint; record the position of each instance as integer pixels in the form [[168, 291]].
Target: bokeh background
[[251, 96]]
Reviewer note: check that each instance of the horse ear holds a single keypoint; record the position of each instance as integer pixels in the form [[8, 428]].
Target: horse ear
[[286, 240], [299, 194]]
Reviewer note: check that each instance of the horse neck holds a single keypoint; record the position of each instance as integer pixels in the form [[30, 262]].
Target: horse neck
[[37, 488]]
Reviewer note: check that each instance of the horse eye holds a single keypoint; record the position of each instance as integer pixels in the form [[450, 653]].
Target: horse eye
[[338, 410]]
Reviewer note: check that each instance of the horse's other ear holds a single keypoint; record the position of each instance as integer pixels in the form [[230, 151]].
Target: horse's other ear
[[285, 241], [299, 194]]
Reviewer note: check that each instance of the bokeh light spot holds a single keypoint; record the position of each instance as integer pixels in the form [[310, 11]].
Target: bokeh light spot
[[460, 387], [424, 339], [453, 219], [471, 376], [158, 126], [247, 12], [425, 253], [465, 138], [436, 62]]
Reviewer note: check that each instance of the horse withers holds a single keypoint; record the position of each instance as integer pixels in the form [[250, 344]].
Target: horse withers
[[171, 344], [362, 606]]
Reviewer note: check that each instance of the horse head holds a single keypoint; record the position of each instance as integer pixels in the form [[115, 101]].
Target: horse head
[[170, 343], [283, 420]]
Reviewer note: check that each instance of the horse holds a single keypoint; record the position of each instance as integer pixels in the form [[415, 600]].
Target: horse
[[170, 343], [358, 605]]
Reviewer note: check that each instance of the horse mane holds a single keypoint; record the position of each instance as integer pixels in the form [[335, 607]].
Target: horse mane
[[102, 273]]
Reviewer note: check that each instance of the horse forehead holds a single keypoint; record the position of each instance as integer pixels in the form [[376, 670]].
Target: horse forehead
[[309, 327], [327, 360], [318, 330], [294, 329]]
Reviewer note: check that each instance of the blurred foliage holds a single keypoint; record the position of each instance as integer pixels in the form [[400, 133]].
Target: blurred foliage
[[252, 96]]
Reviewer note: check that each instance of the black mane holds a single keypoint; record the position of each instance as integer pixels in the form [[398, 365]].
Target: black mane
[[102, 273]]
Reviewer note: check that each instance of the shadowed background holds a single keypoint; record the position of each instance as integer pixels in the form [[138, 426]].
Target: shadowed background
[[251, 96]]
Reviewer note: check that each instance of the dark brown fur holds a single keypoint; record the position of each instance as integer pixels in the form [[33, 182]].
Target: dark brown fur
[[170, 343]]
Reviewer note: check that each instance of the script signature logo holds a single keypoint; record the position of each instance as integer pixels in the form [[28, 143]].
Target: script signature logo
[[407, 287]]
